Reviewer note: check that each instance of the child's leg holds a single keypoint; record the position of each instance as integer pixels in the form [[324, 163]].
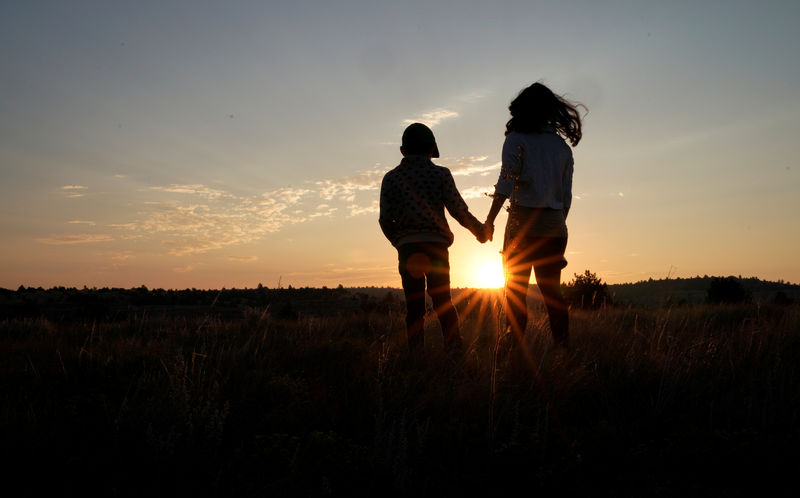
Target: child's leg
[[412, 263], [439, 290]]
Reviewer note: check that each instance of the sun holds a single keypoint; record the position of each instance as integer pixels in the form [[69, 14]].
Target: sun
[[489, 274]]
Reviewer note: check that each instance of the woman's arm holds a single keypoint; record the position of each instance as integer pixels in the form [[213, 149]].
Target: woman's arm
[[497, 203], [505, 183], [567, 186]]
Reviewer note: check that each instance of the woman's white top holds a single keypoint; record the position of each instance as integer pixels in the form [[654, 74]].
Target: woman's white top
[[542, 178]]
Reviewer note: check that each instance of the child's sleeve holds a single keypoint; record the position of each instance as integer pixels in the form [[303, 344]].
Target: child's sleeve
[[388, 204], [456, 206]]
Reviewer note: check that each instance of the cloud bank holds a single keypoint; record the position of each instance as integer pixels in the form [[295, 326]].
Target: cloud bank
[[188, 219], [432, 118], [78, 238]]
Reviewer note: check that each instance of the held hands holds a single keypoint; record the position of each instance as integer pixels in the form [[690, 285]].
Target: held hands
[[485, 232]]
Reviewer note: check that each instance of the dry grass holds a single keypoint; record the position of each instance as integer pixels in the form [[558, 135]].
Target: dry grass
[[658, 402]]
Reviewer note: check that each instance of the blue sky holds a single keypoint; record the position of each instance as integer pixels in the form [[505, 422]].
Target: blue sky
[[214, 144]]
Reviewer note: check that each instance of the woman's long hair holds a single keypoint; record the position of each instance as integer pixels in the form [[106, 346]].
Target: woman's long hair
[[537, 108]]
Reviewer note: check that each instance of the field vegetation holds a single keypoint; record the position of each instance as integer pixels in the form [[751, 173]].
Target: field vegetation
[[258, 400]]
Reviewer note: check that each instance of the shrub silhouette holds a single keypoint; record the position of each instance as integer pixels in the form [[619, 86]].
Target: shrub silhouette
[[726, 290], [587, 291], [782, 299]]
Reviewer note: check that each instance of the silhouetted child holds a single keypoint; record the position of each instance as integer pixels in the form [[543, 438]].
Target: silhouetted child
[[414, 196]]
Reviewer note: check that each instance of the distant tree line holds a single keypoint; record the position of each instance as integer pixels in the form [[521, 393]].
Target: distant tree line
[[119, 303], [585, 290], [705, 289]]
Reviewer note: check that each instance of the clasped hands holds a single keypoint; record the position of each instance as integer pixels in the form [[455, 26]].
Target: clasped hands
[[485, 231]]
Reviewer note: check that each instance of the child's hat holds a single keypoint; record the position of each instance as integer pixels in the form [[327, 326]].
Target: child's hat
[[417, 136]]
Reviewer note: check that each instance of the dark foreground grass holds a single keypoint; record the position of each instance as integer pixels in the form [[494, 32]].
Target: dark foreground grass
[[698, 401]]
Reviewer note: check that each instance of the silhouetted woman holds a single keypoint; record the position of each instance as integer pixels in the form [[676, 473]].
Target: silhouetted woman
[[536, 174]]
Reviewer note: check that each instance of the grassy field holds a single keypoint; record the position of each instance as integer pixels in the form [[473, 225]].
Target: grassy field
[[693, 400]]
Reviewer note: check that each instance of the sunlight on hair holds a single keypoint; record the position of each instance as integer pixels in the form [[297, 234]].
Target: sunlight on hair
[[489, 274]]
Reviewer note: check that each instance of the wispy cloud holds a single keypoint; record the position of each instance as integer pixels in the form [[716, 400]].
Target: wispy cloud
[[191, 189], [288, 195], [476, 192], [193, 218], [345, 189], [112, 267], [76, 238], [432, 118], [243, 259], [81, 222], [121, 256], [200, 228], [202, 219], [182, 269], [323, 210], [356, 210], [471, 165], [74, 191], [472, 97]]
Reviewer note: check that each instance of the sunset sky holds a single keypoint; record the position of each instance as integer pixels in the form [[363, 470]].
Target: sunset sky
[[226, 144]]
